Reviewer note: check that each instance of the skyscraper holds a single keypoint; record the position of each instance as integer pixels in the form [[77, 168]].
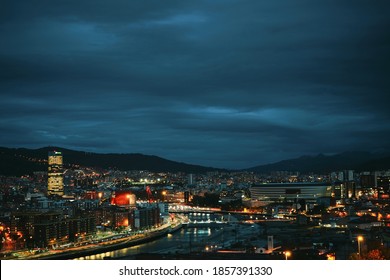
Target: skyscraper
[[55, 181], [191, 179]]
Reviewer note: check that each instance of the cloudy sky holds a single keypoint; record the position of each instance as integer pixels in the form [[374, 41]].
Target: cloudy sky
[[223, 83]]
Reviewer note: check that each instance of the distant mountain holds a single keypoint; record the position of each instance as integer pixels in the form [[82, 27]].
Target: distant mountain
[[21, 161], [359, 161]]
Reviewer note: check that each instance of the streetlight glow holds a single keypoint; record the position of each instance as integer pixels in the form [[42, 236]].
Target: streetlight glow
[[287, 254], [360, 240]]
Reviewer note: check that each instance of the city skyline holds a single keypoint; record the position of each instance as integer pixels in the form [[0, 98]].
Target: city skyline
[[89, 213], [228, 84]]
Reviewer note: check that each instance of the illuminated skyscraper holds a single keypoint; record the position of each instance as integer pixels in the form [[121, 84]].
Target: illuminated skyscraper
[[55, 181]]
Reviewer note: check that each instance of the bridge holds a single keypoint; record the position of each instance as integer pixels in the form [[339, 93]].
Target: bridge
[[186, 209]]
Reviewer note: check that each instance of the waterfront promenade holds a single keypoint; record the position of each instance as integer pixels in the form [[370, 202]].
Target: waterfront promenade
[[102, 243]]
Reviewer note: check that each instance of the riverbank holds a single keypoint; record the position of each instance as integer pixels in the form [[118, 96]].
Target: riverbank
[[127, 242]]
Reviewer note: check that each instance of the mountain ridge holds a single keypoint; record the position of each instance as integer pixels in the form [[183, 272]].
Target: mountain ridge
[[354, 160], [22, 161]]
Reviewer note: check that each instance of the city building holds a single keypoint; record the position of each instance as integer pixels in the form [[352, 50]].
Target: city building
[[191, 179], [146, 217], [43, 229], [291, 191], [383, 184], [124, 198], [55, 181]]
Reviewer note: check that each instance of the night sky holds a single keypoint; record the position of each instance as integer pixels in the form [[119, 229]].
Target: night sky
[[223, 83]]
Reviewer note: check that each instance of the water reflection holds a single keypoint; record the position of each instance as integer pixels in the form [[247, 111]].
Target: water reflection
[[179, 242], [191, 239], [182, 241]]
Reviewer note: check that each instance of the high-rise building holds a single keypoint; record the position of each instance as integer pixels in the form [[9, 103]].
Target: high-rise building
[[55, 181], [191, 179]]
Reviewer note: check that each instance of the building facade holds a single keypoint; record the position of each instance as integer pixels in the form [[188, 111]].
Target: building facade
[[55, 181], [291, 191]]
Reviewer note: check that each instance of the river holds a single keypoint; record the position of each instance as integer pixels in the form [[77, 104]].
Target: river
[[189, 239]]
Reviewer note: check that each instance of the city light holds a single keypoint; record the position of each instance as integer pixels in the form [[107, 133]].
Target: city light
[[111, 214], [360, 240]]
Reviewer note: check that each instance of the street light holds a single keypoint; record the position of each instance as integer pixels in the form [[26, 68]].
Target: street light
[[360, 239], [164, 193], [287, 254]]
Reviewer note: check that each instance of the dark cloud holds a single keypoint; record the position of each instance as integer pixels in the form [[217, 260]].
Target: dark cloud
[[220, 83]]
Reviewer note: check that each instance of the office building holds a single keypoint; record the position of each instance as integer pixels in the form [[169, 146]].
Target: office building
[[291, 191], [55, 181]]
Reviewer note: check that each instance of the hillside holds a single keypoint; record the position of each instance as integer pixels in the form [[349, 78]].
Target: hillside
[[21, 161], [359, 161], [16, 162]]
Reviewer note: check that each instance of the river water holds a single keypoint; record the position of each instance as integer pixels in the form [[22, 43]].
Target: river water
[[189, 239]]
